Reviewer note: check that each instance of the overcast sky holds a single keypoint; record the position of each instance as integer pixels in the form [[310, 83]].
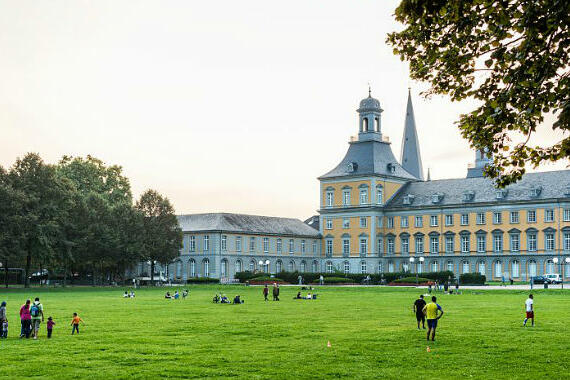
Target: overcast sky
[[234, 106]]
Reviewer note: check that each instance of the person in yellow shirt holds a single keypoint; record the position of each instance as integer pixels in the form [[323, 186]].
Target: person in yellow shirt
[[431, 312], [75, 323]]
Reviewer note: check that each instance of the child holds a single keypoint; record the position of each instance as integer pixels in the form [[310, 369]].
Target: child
[[4, 331], [50, 324], [75, 323]]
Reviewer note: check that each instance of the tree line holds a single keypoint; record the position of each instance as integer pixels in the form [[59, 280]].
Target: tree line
[[78, 218]]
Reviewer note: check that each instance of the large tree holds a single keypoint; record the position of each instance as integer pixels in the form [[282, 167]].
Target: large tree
[[162, 237], [512, 56]]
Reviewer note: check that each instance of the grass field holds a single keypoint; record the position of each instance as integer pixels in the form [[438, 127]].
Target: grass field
[[372, 332]]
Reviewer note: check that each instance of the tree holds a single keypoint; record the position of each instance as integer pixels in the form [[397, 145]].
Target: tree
[[511, 56], [162, 238]]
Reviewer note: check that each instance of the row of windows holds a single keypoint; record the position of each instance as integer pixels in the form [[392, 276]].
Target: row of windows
[[252, 244], [252, 267], [363, 223], [480, 218], [346, 197]]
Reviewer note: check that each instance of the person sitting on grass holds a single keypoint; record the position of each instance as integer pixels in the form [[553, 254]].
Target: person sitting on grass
[[216, 299], [225, 299], [309, 296], [237, 300], [176, 295], [132, 294], [185, 294], [298, 296], [75, 323], [126, 295], [167, 295]]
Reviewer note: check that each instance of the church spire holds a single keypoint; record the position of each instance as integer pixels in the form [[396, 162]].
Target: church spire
[[411, 159]]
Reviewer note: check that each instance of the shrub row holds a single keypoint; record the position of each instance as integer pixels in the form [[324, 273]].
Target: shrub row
[[472, 279], [412, 280], [202, 280]]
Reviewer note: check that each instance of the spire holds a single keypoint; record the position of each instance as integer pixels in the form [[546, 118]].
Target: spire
[[411, 158]]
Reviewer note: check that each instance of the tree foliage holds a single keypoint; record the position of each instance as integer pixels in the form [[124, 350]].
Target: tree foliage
[[511, 56]]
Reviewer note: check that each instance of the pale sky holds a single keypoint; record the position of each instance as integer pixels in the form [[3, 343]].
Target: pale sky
[[234, 106]]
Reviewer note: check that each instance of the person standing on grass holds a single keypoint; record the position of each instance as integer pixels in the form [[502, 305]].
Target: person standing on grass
[[25, 319], [275, 292], [529, 305], [265, 292], [37, 313], [75, 323], [419, 310], [50, 324], [3, 321], [431, 312]]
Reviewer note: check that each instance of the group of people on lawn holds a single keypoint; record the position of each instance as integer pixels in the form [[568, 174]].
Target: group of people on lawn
[[31, 317], [176, 295], [221, 298]]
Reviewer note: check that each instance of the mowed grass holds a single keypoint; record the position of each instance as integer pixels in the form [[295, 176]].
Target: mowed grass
[[372, 332]]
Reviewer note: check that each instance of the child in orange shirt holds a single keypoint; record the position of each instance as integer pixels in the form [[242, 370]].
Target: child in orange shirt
[[75, 323]]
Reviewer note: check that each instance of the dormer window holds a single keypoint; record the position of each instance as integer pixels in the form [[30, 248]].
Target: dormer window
[[391, 168], [351, 167], [535, 191], [501, 194], [436, 198], [408, 199], [567, 191], [468, 196]]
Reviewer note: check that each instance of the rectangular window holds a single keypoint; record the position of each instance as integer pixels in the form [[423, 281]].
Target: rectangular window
[[549, 215], [265, 245], [433, 220], [514, 217], [434, 244], [314, 247], [346, 223], [481, 246], [303, 249], [279, 246], [480, 218], [531, 216], [379, 195], [328, 223], [497, 217], [363, 222], [532, 242], [206, 243], [465, 244], [192, 243], [515, 243], [464, 219], [379, 222], [566, 215], [449, 220], [252, 244], [346, 198], [224, 243], [238, 244], [380, 245], [419, 221], [449, 244], [390, 245], [498, 243], [549, 242], [404, 221], [329, 247], [363, 196], [330, 198], [292, 246], [346, 247], [419, 244], [567, 242], [390, 222], [405, 246], [363, 246]]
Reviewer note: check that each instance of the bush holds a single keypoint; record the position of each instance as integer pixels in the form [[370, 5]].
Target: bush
[[202, 280], [337, 280], [266, 278], [412, 280], [472, 279], [441, 277], [244, 276]]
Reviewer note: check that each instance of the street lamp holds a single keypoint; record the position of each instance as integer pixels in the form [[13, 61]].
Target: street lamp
[[267, 266], [412, 259]]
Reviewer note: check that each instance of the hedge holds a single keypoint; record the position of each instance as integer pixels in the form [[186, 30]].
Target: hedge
[[265, 278], [336, 280], [202, 280], [472, 279], [412, 280]]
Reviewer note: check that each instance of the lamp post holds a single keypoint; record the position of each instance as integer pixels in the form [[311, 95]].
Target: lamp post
[[566, 262], [412, 259], [267, 266], [421, 260], [260, 262]]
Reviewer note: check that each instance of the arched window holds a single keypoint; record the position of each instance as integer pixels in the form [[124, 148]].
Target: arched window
[[377, 124], [482, 268], [178, 269], [380, 267], [450, 266], [315, 266], [365, 124], [346, 267], [278, 266], [390, 267], [252, 266], [515, 268], [549, 267], [466, 266], [379, 195], [434, 266], [291, 266], [238, 266], [224, 268], [303, 267], [498, 268], [329, 266], [532, 268], [419, 267], [206, 268], [191, 268], [363, 267]]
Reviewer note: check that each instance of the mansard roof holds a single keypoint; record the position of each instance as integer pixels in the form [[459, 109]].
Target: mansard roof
[[554, 184], [371, 158], [246, 224]]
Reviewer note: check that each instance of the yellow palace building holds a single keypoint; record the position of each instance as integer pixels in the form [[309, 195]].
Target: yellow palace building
[[378, 214]]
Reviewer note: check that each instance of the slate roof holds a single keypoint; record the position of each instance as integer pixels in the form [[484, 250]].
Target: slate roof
[[554, 185], [372, 157], [247, 224]]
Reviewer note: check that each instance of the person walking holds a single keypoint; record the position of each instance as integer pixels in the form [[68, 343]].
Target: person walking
[[529, 306], [3, 321], [75, 323], [321, 280], [37, 313], [265, 292], [50, 324], [418, 308], [431, 312], [25, 319], [275, 292]]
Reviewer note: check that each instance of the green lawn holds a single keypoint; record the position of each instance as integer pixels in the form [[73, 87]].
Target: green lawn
[[372, 332]]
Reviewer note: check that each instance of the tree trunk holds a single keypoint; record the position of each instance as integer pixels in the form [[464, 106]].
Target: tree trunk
[[27, 271], [152, 272]]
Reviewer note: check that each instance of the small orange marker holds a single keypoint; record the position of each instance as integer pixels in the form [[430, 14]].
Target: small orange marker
[[428, 349], [329, 344]]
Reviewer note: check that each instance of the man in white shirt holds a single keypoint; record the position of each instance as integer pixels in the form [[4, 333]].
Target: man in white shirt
[[529, 304]]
